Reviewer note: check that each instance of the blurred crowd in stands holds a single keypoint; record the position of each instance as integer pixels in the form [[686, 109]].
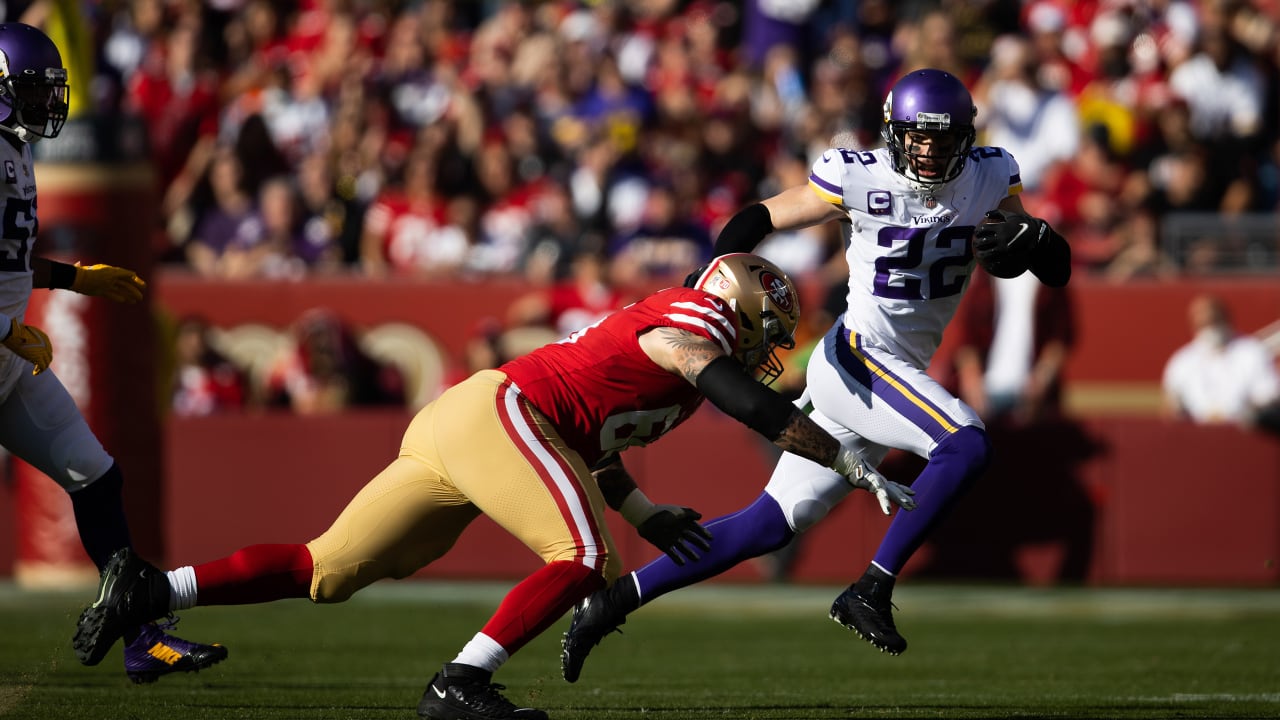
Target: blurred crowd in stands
[[591, 147], [505, 138]]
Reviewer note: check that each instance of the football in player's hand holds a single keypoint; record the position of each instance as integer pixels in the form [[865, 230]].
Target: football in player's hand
[[1003, 243]]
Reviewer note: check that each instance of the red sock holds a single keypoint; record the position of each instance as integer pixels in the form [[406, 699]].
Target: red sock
[[255, 574], [540, 600]]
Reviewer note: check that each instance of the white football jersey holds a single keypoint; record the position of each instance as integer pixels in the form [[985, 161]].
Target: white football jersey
[[909, 249], [17, 235]]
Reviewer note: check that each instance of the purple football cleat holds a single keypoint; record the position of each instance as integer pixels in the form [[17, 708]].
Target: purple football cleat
[[154, 653]]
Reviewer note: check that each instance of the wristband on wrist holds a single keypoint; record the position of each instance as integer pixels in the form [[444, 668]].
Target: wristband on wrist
[[636, 508], [61, 275], [849, 464]]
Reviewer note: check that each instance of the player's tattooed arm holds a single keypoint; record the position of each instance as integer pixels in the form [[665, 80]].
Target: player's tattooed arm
[[802, 436], [614, 481], [680, 351]]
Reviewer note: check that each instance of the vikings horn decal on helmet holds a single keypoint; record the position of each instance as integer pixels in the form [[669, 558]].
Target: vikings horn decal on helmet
[[930, 104], [766, 302], [33, 83]]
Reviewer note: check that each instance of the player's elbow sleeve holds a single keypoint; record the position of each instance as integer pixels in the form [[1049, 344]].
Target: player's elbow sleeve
[[730, 388], [745, 230]]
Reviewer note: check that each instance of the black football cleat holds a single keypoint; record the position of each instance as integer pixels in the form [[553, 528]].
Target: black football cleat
[[131, 592], [154, 654], [593, 618], [864, 607], [464, 692]]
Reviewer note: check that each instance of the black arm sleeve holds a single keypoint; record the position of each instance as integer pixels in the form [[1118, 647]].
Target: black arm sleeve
[[730, 388], [1051, 261], [745, 230]]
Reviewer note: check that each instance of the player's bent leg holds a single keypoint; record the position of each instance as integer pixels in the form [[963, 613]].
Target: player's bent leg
[[757, 529], [866, 606], [462, 689], [399, 522], [539, 601], [955, 463], [594, 618]]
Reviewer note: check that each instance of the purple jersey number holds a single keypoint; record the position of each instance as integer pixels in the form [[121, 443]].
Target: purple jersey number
[[893, 284]]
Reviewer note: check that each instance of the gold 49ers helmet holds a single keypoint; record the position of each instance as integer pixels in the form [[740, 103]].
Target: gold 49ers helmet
[[766, 302]]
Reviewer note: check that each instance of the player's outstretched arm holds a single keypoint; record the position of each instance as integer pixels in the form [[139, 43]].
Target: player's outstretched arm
[[724, 382], [672, 529], [792, 208], [114, 283]]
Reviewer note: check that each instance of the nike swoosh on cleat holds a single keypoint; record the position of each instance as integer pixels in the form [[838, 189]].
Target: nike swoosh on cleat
[[102, 594], [439, 693]]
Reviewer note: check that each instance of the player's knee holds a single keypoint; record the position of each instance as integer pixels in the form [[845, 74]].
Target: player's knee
[[806, 513], [331, 588], [78, 460], [607, 564], [970, 447], [336, 587], [338, 576], [612, 568]]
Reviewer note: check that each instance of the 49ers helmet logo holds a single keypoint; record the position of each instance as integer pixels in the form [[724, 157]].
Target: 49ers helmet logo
[[777, 290]]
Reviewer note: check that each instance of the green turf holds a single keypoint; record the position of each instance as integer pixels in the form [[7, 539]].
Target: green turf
[[715, 651]]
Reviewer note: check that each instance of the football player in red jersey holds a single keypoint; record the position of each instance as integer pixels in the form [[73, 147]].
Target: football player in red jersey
[[534, 445]]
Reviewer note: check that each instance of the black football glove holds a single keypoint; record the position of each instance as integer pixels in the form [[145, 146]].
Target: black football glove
[[1005, 247], [676, 532]]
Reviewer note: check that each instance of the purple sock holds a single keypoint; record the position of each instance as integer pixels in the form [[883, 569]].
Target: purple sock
[[953, 466], [751, 532]]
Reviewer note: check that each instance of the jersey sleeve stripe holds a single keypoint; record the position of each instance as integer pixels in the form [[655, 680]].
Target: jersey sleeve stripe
[[826, 190], [717, 333], [710, 313], [1015, 184]]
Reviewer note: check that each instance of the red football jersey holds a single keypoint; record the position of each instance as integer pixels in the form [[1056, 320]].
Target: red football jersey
[[602, 392]]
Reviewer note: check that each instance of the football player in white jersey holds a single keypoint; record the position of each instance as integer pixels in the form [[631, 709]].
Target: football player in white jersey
[[39, 421], [911, 208]]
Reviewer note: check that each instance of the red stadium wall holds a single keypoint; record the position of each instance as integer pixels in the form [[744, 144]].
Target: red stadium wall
[[1113, 499], [1103, 501]]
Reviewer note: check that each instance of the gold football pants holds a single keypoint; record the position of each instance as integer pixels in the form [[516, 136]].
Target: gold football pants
[[479, 448]]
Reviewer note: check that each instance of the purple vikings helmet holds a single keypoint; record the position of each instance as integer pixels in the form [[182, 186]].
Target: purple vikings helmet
[[33, 83], [929, 109]]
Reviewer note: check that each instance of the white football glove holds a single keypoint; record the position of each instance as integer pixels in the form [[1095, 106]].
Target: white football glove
[[849, 464]]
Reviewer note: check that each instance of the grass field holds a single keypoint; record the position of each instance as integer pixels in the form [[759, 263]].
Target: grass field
[[713, 651]]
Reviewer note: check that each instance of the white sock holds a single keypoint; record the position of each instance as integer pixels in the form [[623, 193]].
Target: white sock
[[482, 652], [182, 586]]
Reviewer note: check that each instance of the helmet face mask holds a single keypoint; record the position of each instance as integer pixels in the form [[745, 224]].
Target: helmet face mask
[[33, 84], [766, 303], [928, 126]]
